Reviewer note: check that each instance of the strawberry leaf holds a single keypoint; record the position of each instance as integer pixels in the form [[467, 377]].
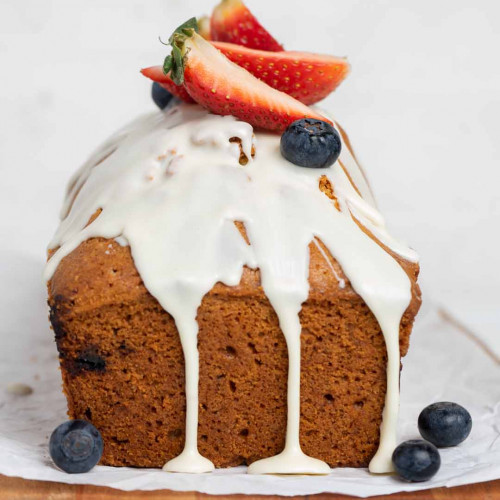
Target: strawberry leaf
[[167, 64], [185, 29], [174, 63], [177, 65]]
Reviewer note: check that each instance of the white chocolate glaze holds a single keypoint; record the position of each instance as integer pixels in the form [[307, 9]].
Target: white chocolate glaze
[[327, 260], [170, 184]]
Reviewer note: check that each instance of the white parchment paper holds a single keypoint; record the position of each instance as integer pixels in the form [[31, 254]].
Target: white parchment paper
[[443, 364]]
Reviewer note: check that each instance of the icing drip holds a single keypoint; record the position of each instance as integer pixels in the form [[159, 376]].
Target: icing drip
[[356, 174], [327, 260], [292, 460], [367, 215], [190, 459], [171, 185]]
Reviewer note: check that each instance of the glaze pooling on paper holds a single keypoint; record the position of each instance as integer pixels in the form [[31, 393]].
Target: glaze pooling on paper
[[172, 179]]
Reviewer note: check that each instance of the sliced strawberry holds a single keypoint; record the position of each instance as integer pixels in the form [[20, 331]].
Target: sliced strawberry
[[305, 76], [232, 22], [224, 88], [156, 74]]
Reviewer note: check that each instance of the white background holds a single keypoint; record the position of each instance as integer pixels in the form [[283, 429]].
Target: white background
[[422, 107]]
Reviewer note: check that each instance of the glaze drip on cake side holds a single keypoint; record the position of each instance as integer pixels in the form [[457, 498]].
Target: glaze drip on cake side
[[171, 185]]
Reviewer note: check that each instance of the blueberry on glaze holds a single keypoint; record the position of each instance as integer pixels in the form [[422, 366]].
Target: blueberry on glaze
[[444, 424], [311, 143], [160, 96], [416, 460], [76, 446]]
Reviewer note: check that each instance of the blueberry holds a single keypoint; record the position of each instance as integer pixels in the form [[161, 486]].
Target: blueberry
[[444, 424], [76, 446], [311, 143], [160, 96], [416, 460]]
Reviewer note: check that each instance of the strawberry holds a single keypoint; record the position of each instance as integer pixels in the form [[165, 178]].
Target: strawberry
[[204, 27], [232, 22], [156, 74], [305, 76], [224, 88]]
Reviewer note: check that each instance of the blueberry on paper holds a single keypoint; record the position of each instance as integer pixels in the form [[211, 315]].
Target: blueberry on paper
[[444, 424], [311, 143], [76, 446], [416, 460], [160, 96]]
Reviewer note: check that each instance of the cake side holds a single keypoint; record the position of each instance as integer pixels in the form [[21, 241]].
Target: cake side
[[123, 366]]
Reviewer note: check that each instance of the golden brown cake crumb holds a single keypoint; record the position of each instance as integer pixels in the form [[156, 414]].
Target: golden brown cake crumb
[[123, 367]]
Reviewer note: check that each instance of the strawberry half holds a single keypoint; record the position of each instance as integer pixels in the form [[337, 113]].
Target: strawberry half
[[232, 22], [156, 74], [305, 76], [224, 88]]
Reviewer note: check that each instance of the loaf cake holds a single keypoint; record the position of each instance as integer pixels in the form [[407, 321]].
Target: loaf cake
[[215, 305]]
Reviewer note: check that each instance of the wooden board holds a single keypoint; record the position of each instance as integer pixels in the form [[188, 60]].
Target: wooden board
[[12, 488]]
